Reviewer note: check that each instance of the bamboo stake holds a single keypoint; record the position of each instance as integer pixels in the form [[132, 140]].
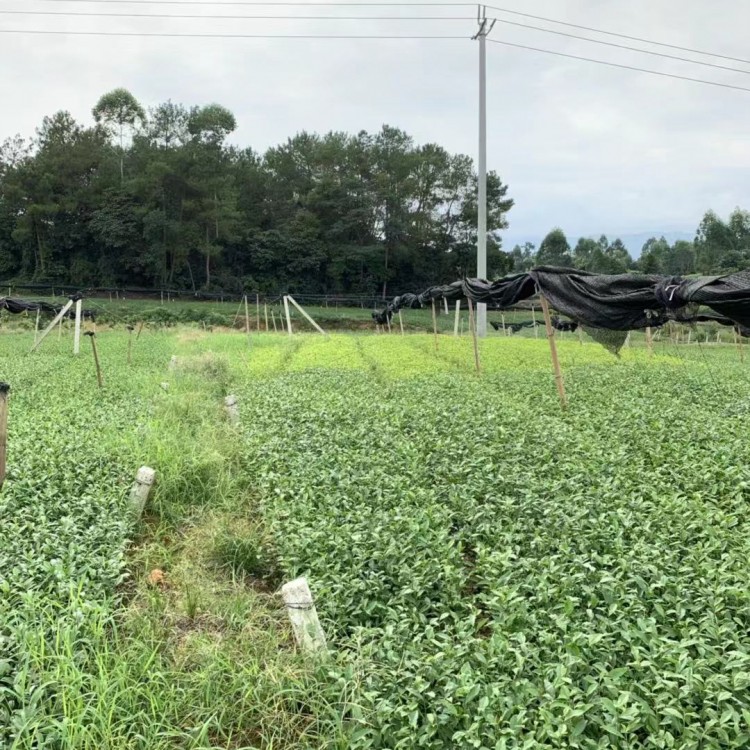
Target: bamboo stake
[[401, 322], [237, 315], [445, 301], [92, 336], [257, 311], [458, 315], [130, 343], [273, 320], [309, 319], [265, 314], [247, 321], [4, 390], [288, 317], [553, 352], [473, 327], [434, 324], [58, 319], [36, 325]]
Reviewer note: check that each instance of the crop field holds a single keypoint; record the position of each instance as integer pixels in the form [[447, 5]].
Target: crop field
[[490, 571]]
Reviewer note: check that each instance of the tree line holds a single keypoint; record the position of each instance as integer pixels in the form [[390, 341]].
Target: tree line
[[719, 247], [160, 198]]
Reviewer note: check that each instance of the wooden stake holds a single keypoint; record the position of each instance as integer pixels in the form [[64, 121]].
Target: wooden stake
[[434, 324], [401, 322], [288, 317], [739, 346], [265, 314], [92, 336], [649, 342], [77, 333], [130, 343], [58, 319], [144, 481], [388, 320], [473, 327], [458, 316], [257, 312], [445, 300], [304, 618], [273, 320], [36, 328], [536, 327], [553, 352], [247, 321], [4, 390], [140, 328], [502, 318], [309, 319], [237, 315]]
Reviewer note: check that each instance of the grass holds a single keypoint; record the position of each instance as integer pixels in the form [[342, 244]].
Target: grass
[[490, 572]]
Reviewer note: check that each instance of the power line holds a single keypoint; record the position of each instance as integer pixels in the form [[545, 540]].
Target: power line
[[227, 36], [620, 65], [266, 4], [68, 14], [608, 33], [625, 46]]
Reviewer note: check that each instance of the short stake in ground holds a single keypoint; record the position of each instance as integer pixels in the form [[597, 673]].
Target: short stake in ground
[[130, 344], [4, 390], [472, 325], [233, 411], [144, 481], [301, 609], [553, 352], [92, 336]]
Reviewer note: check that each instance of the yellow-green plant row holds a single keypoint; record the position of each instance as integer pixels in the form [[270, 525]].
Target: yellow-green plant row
[[506, 575]]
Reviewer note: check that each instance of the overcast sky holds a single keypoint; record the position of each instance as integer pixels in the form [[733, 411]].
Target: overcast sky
[[589, 148]]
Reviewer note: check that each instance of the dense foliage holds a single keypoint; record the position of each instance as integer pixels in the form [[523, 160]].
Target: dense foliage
[[506, 575], [162, 199], [719, 247]]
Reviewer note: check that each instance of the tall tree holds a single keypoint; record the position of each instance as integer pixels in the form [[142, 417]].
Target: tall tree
[[555, 250], [118, 110]]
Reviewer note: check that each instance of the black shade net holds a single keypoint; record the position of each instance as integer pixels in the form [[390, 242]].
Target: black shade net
[[19, 306], [605, 306]]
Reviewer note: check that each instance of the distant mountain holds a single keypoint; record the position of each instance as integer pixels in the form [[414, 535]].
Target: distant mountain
[[634, 241]]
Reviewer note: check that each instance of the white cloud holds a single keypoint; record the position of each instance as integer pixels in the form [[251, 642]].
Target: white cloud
[[589, 148]]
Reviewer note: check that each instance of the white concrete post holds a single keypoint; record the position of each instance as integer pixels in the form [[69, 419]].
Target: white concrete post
[[144, 481], [233, 412], [77, 334], [307, 630]]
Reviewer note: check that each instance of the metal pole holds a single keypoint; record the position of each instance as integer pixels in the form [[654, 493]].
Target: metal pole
[[482, 176]]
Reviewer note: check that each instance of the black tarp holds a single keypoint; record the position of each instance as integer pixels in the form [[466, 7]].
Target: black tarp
[[606, 306], [19, 306]]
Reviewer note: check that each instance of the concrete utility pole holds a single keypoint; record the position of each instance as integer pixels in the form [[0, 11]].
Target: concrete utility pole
[[485, 27]]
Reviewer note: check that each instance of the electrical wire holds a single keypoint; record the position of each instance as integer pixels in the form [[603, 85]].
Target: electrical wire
[[620, 65], [623, 46], [204, 35], [598, 31], [266, 4], [86, 14]]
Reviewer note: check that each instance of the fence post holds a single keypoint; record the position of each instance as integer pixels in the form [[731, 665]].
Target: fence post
[[233, 412], [304, 618], [4, 390], [144, 481]]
